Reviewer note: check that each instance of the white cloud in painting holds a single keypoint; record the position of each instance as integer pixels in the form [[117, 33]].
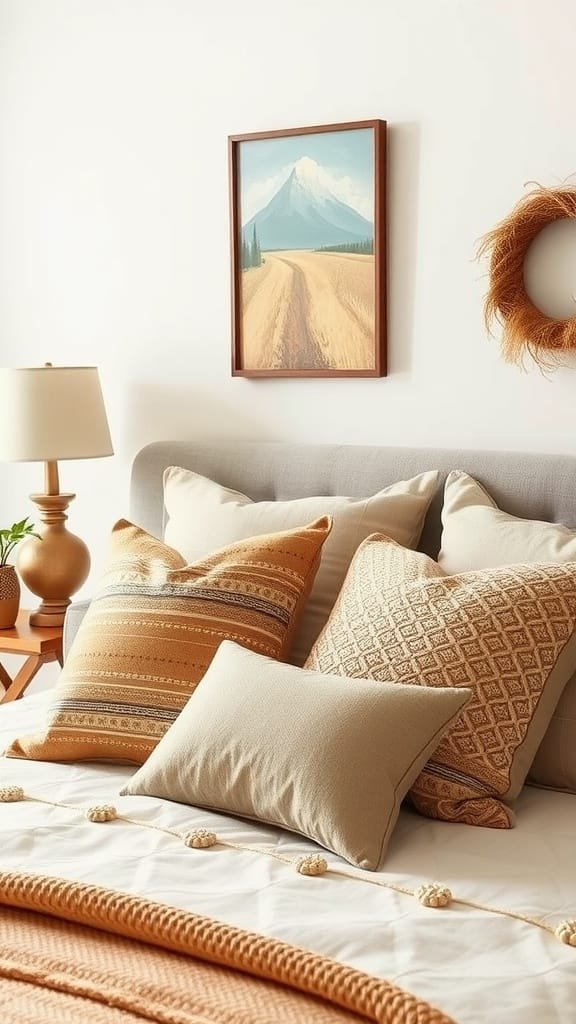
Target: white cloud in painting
[[257, 195]]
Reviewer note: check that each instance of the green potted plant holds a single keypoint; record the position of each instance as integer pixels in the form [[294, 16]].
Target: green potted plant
[[9, 582]]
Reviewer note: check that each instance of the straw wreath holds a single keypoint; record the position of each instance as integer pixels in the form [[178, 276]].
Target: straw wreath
[[525, 328]]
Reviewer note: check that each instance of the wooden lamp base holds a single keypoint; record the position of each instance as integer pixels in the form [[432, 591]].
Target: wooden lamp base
[[56, 566]]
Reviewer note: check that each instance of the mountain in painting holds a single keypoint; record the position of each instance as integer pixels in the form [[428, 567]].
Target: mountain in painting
[[305, 214]]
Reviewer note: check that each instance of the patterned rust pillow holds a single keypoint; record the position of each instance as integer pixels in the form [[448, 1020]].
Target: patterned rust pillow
[[509, 634], [477, 534], [153, 628]]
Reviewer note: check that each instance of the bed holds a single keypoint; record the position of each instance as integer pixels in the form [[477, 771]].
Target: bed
[[490, 955]]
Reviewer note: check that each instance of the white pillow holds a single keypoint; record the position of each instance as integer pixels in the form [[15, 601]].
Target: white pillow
[[203, 516], [477, 534]]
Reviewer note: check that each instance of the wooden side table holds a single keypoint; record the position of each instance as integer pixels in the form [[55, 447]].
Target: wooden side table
[[38, 645]]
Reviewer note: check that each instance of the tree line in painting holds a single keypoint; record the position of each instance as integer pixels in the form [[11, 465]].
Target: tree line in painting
[[251, 253], [365, 248]]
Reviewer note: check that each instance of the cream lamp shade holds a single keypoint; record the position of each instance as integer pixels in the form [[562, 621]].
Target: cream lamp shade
[[48, 413]]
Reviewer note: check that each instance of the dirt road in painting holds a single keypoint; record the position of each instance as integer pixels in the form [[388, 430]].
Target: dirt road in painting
[[309, 310]]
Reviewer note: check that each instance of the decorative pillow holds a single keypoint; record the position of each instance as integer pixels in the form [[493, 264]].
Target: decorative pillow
[[153, 628], [507, 633], [316, 754], [477, 535], [203, 516]]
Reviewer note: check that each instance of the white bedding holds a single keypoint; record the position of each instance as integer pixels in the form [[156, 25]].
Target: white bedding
[[476, 966]]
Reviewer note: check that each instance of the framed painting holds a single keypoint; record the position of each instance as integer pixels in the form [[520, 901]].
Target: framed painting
[[308, 229]]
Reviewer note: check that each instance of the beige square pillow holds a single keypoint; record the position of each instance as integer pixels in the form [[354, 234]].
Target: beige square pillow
[[509, 634], [153, 628], [204, 516], [477, 535], [315, 754]]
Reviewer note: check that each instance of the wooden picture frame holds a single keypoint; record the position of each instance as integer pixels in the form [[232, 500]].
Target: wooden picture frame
[[308, 248]]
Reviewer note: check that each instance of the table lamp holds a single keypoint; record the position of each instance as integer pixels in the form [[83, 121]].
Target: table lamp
[[48, 413]]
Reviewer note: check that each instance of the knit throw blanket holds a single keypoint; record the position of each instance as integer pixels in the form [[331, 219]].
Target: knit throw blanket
[[71, 951]]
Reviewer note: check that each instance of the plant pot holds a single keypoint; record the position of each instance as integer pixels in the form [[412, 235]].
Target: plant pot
[[9, 596]]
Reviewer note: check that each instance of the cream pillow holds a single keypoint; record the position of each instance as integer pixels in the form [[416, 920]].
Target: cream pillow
[[203, 516], [312, 753], [477, 534], [509, 634]]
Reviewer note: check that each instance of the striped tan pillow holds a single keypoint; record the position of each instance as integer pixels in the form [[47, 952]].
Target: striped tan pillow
[[153, 628], [508, 634]]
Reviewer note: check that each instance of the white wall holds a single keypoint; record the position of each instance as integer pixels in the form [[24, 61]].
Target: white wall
[[114, 117]]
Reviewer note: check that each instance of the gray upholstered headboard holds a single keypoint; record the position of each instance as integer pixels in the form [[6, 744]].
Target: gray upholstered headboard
[[524, 484]]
